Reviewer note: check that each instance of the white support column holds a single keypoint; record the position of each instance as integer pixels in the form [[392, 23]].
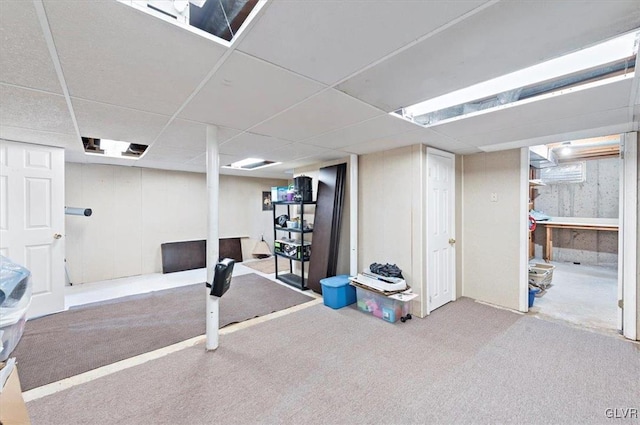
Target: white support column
[[213, 249], [353, 208]]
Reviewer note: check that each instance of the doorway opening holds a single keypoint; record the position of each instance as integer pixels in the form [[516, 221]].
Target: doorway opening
[[574, 220]]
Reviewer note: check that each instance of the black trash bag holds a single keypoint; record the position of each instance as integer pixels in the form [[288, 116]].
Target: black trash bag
[[281, 220], [386, 270]]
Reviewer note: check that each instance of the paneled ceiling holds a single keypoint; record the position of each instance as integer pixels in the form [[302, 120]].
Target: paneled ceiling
[[304, 82]]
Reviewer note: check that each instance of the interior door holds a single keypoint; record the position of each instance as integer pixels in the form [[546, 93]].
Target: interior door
[[32, 219], [441, 264]]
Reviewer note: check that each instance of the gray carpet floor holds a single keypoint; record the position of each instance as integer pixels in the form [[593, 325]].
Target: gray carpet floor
[[81, 339], [466, 363]]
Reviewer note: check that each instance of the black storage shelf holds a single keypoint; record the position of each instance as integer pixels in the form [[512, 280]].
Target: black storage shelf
[[292, 230], [293, 203], [295, 280], [291, 257]]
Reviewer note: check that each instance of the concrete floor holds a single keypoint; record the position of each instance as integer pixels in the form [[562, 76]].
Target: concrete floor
[[582, 295]]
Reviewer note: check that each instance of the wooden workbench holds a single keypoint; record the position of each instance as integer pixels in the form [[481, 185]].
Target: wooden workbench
[[576, 223]]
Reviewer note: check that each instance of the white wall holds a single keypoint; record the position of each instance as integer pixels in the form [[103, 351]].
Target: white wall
[[391, 213], [137, 209], [491, 230]]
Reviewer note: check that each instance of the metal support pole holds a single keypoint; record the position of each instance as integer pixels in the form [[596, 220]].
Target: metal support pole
[[213, 183]]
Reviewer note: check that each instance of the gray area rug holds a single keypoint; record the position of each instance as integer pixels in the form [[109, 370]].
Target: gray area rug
[[81, 339], [465, 363]]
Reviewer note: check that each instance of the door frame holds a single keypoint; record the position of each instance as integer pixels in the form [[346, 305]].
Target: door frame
[[425, 288], [628, 235]]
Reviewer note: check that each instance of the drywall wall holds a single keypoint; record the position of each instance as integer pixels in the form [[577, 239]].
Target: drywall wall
[[597, 197], [391, 213], [137, 209], [491, 230]]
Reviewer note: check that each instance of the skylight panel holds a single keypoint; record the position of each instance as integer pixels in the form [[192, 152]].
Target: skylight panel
[[613, 57]]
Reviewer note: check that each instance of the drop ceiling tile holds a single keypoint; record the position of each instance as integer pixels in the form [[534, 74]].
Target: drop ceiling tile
[[246, 91], [104, 121], [555, 129], [571, 102], [170, 165], [34, 110], [161, 153], [25, 56], [113, 53], [502, 38], [37, 137], [327, 111], [191, 135], [296, 151], [347, 35], [376, 128], [249, 145], [579, 133]]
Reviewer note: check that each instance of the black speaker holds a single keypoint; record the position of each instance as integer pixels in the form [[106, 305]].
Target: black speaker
[[303, 188], [222, 277]]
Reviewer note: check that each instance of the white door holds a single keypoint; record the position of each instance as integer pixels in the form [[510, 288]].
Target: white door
[[441, 260], [32, 219]]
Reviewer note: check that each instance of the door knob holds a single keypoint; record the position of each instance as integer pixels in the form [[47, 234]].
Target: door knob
[[57, 236], [452, 241]]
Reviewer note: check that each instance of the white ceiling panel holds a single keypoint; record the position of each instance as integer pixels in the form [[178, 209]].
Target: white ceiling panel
[[558, 129], [503, 38], [376, 128], [104, 121], [167, 154], [327, 111], [578, 134], [73, 156], [329, 40], [246, 91], [421, 136], [571, 102], [249, 145], [170, 165], [297, 151], [25, 56], [28, 135], [185, 134], [113, 53], [34, 110]]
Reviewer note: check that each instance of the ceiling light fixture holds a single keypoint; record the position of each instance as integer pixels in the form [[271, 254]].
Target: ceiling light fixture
[[603, 53], [250, 164], [112, 148]]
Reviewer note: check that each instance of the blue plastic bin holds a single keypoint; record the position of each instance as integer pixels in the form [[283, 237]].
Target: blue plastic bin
[[337, 292], [532, 296]]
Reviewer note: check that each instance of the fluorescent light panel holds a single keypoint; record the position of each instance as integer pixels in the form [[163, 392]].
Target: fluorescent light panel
[[609, 51], [250, 164]]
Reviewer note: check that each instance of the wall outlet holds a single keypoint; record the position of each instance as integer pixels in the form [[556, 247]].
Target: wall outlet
[[494, 197]]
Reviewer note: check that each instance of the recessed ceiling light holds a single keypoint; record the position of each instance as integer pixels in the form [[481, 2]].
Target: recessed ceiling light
[[112, 148], [503, 87], [250, 164]]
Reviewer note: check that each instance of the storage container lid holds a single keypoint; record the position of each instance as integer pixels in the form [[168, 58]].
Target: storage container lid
[[335, 281], [15, 290]]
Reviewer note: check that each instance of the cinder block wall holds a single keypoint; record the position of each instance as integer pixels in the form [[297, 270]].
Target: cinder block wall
[[597, 197]]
